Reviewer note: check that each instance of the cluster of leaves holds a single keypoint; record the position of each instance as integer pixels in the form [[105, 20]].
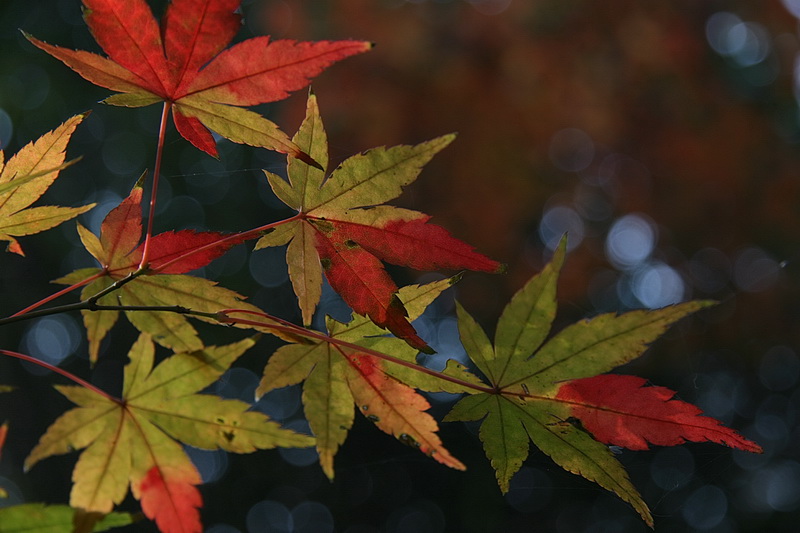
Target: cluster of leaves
[[527, 386]]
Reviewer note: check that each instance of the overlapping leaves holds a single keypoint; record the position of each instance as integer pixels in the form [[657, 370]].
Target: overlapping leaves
[[26, 177], [550, 393], [134, 441], [343, 231], [118, 250], [183, 62], [338, 375]]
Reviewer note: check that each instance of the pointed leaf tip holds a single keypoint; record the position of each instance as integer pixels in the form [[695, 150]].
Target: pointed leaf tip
[[307, 159]]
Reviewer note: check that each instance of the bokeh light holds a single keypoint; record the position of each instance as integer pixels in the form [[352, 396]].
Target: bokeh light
[[299, 456], [268, 516], [623, 126], [268, 266], [754, 270], [630, 241], [51, 339], [779, 368], [280, 404], [558, 221], [312, 517], [421, 516], [212, 464], [705, 508], [656, 284]]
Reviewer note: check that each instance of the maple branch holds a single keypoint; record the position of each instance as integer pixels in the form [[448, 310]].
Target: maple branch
[[92, 300], [90, 304], [66, 374], [58, 294], [156, 172], [287, 327]]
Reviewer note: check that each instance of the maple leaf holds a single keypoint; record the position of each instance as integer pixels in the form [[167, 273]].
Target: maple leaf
[[548, 392], [41, 518], [342, 231], [119, 251], [184, 62], [336, 377], [26, 177], [134, 441], [619, 410]]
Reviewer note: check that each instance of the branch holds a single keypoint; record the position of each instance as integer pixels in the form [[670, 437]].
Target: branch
[[156, 172], [68, 375], [292, 329], [90, 304]]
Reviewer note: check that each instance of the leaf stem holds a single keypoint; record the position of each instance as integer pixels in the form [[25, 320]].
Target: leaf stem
[[66, 374], [156, 173], [58, 294]]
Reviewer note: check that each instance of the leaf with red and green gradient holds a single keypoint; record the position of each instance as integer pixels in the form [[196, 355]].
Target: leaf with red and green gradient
[[136, 440], [119, 252], [184, 61], [336, 377], [26, 177], [346, 233], [622, 411], [118, 249], [548, 391]]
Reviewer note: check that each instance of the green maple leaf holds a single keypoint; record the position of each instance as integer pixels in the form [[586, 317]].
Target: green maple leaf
[[336, 378], [342, 230], [118, 251], [135, 441], [550, 393], [26, 177], [41, 518]]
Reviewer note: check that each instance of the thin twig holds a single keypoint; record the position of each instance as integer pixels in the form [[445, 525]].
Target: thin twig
[[66, 374], [156, 173]]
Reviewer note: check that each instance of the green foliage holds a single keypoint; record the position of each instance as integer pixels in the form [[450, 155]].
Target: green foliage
[[526, 386]]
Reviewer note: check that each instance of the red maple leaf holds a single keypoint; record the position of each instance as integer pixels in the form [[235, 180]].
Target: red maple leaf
[[171, 499], [182, 62], [173, 252], [621, 411], [345, 230], [351, 255]]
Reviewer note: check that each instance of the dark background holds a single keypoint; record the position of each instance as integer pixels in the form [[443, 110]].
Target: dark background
[[663, 136]]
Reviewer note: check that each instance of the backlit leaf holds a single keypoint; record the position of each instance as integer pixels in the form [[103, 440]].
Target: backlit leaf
[[25, 177], [622, 411], [119, 252], [183, 61], [526, 398], [336, 377], [346, 233], [135, 441]]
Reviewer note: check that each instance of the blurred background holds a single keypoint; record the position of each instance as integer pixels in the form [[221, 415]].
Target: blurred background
[[662, 136]]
